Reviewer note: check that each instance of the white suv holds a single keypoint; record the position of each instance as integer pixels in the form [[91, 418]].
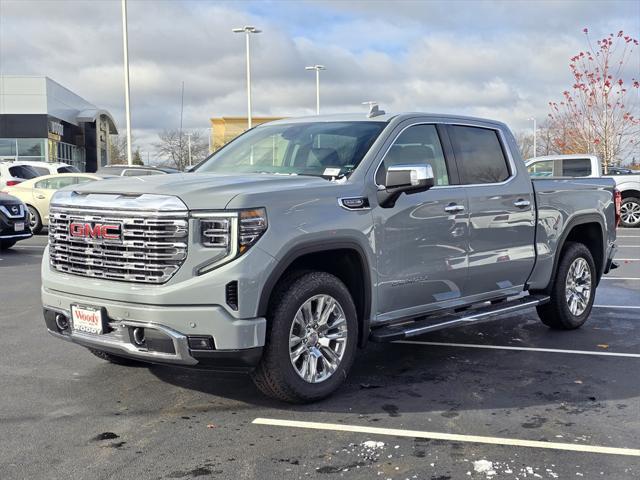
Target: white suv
[[12, 173], [49, 168]]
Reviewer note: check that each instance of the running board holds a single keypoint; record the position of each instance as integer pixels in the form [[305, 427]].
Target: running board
[[406, 330]]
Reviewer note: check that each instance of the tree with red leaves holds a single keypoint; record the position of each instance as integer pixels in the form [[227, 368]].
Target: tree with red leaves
[[597, 113]]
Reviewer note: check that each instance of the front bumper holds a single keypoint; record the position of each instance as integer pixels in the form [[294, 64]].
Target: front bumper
[[15, 236], [237, 344]]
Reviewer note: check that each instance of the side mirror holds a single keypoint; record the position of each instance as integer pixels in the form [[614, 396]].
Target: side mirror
[[405, 178]]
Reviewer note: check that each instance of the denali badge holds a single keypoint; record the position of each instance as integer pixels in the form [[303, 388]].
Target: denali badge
[[96, 230]]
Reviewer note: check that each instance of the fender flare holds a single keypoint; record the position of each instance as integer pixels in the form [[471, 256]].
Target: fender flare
[[318, 246], [571, 224]]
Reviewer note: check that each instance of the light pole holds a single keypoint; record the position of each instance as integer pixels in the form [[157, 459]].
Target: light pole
[[248, 30], [535, 137], [189, 146], [125, 44], [317, 68]]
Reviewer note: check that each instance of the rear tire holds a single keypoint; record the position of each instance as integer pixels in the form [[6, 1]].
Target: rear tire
[[127, 362], [573, 289], [35, 221], [311, 341], [6, 244], [630, 212]]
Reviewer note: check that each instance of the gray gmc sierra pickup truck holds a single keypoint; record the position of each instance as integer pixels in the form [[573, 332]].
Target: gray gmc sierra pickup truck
[[303, 239]]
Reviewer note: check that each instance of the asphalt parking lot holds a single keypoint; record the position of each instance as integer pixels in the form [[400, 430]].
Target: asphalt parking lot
[[408, 411]]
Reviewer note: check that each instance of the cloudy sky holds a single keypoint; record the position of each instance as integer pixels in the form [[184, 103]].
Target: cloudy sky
[[499, 59]]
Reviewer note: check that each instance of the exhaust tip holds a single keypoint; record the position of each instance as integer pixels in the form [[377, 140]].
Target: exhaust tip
[[138, 336], [62, 322]]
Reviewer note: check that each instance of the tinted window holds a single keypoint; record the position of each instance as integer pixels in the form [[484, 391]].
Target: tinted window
[[68, 170], [23, 171], [40, 170], [417, 145], [575, 167], [479, 155]]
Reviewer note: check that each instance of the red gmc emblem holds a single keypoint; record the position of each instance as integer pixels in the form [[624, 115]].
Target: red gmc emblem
[[95, 230]]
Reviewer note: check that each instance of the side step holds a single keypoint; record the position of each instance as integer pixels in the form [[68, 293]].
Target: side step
[[489, 312]]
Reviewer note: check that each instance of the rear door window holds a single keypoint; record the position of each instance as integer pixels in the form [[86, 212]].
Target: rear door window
[[23, 171], [479, 155], [68, 169]]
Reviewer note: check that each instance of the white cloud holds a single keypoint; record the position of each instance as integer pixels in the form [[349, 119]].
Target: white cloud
[[503, 60]]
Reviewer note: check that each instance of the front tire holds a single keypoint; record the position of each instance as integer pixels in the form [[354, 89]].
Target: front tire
[[311, 339], [573, 289], [35, 220], [630, 212], [6, 244]]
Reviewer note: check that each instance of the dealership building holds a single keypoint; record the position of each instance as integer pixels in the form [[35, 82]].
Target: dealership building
[[44, 121]]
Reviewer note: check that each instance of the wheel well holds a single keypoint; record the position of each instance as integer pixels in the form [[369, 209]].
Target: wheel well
[[590, 235], [348, 266], [630, 193]]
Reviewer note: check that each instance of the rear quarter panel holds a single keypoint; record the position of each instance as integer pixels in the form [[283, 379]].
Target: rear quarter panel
[[562, 204]]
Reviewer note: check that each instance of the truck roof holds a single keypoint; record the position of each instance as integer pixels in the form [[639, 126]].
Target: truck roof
[[385, 117]]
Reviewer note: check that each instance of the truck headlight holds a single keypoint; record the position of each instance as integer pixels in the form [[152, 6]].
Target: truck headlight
[[230, 233]]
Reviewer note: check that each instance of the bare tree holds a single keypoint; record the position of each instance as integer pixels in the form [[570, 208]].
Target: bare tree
[[174, 148], [118, 151], [597, 113], [525, 143]]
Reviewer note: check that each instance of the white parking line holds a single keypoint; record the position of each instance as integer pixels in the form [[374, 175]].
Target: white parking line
[[620, 278], [525, 349], [627, 259], [631, 307], [631, 452]]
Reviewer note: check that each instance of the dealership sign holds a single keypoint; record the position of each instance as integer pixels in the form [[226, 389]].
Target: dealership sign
[[56, 128]]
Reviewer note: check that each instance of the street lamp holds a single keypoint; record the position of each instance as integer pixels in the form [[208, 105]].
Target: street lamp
[[317, 68], [535, 138], [125, 45], [248, 30]]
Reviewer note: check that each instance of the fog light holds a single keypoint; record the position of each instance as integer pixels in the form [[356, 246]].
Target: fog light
[[201, 343]]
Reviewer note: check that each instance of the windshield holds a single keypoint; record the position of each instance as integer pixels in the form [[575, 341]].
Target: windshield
[[327, 149]]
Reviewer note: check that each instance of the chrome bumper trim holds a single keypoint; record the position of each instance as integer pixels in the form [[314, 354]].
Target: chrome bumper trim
[[118, 341]]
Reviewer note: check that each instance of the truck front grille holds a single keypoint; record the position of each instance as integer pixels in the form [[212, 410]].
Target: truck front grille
[[136, 246]]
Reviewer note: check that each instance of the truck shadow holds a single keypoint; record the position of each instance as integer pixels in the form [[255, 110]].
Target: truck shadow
[[392, 379]]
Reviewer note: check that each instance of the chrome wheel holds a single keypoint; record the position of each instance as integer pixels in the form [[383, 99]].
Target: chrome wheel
[[578, 286], [630, 213], [318, 338]]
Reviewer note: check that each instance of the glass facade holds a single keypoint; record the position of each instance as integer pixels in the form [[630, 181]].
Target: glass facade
[[23, 148], [34, 149]]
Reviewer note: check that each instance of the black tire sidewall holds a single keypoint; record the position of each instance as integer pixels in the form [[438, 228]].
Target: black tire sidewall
[[572, 252], [301, 290], [630, 200]]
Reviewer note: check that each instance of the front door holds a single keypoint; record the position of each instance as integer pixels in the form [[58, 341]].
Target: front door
[[501, 212], [421, 241]]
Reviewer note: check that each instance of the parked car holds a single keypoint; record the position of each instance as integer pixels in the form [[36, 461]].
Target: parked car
[[37, 192], [14, 221], [12, 173], [303, 239], [49, 168], [589, 166], [621, 171], [134, 170]]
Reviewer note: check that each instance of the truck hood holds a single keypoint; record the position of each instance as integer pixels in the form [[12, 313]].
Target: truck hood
[[201, 190]]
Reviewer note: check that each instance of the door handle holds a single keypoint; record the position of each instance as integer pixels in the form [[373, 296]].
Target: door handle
[[522, 203], [40, 197], [454, 208]]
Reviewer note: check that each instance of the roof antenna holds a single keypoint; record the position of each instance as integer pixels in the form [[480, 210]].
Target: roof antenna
[[374, 110]]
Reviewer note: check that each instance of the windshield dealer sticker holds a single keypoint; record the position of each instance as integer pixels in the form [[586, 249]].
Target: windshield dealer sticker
[[331, 172]]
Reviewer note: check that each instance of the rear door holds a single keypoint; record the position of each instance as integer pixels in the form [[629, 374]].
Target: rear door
[[501, 211]]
